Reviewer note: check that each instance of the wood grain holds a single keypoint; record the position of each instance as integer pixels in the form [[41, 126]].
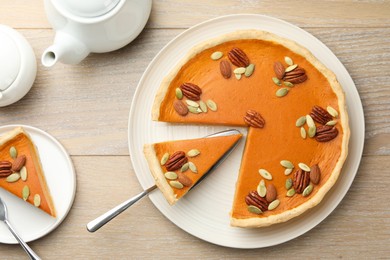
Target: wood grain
[[143, 232]]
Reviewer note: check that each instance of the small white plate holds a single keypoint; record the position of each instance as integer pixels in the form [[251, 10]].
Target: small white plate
[[205, 214], [32, 223]]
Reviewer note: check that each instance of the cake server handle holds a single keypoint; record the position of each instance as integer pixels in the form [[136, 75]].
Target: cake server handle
[[106, 217]]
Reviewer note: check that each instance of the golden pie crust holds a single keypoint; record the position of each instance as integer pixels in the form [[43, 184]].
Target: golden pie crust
[[280, 138]]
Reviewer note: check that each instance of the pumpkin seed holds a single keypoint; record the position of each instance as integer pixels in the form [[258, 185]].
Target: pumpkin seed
[[274, 204], [13, 177], [203, 106], [240, 70], [331, 123], [25, 192], [288, 61], [23, 173], [261, 189], [300, 121], [13, 152], [265, 174], [306, 192], [194, 110], [238, 76], [249, 70], [289, 183], [192, 103], [288, 84], [193, 153], [281, 92], [179, 93], [170, 175], [276, 81], [176, 184], [212, 105], [164, 159], [333, 112], [288, 171], [37, 200], [303, 133], [216, 55], [291, 67], [310, 121], [304, 167], [254, 210], [312, 131], [192, 167], [185, 167], [290, 192], [287, 164]]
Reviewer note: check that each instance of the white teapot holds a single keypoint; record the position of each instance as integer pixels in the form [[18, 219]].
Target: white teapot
[[85, 26]]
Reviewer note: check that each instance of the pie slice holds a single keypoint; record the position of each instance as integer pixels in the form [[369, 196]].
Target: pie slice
[[21, 171], [178, 165], [294, 107]]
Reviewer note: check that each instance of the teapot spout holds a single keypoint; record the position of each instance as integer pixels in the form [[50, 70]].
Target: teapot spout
[[66, 49]]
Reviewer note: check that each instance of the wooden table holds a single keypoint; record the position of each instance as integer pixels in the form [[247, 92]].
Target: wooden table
[[86, 108]]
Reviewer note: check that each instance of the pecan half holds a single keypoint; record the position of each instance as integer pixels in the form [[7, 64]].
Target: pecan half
[[254, 199], [176, 161], [320, 115], [326, 133], [226, 69], [191, 91], [315, 174], [254, 119], [5, 169], [238, 57], [279, 70], [271, 193], [180, 107], [19, 163], [301, 180], [295, 76]]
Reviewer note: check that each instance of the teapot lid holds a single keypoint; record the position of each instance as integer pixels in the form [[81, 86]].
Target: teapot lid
[[9, 60], [87, 8]]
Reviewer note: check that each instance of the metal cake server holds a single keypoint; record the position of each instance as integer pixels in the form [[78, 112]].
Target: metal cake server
[[109, 215], [4, 218]]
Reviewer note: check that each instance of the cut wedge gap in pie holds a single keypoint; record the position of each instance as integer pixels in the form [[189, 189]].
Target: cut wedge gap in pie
[[21, 171], [177, 166]]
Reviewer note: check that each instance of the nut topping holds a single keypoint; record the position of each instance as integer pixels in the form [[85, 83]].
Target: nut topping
[[279, 70], [326, 133], [295, 76], [5, 169], [254, 119], [254, 199], [180, 107], [320, 115], [191, 91], [183, 179], [19, 163], [315, 174], [226, 69], [301, 180], [271, 193], [176, 161], [238, 58]]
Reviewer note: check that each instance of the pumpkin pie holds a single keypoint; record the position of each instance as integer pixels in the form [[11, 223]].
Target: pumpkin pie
[[177, 166], [21, 171], [294, 109]]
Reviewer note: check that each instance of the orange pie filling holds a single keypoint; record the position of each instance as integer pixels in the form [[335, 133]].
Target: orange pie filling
[[21, 172], [295, 111]]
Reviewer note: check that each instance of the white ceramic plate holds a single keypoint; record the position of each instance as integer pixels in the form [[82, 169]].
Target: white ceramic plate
[[32, 223], [205, 214]]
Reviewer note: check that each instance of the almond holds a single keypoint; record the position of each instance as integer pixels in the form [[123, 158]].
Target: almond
[[183, 179], [180, 107], [19, 162], [279, 69], [315, 174], [271, 193], [225, 68]]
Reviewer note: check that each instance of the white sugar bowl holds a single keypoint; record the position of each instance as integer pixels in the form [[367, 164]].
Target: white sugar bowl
[[18, 66]]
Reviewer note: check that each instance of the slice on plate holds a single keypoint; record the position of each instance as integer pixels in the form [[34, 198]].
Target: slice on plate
[[294, 107], [21, 171], [178, 165]]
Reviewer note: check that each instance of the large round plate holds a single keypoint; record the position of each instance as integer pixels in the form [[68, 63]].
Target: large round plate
[[204, 212], [32, 223]]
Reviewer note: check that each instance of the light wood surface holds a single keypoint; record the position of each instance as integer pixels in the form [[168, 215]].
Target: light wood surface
[[86, 108]]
